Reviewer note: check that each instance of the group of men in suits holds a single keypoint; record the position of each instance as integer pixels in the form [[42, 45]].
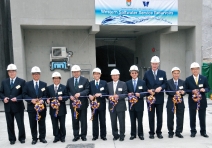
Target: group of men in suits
[[78, 88]]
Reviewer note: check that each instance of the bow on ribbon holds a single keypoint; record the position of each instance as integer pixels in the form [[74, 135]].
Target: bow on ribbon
[[39, 107], [197, 97], [132, 99], [94, 106], [55, 104], [113, 101], [76, 104], [151, 100], [176, 100]]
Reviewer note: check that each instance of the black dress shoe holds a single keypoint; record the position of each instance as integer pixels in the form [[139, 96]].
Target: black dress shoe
[[115, 138], [55, 140], [43, 141], [94, 138], [75, 139], [22, 141], [205, 135], [193, 135], [141, 137], [151, 136], [179, 135], [12, 142], [170, 136], [34, 142], [84, 139], [160, 136], [121, 139], [132, 137], [104, 138], [62, 140]]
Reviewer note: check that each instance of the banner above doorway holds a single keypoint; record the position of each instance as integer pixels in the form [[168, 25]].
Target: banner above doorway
[[136, 12]]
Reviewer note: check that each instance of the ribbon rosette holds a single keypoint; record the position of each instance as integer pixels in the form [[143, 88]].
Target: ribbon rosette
[[94, 106], [39, 107], [76, 104], [176, 100], [197, 97], [151, 100], [113, 101], [55, 104], [132, 99]]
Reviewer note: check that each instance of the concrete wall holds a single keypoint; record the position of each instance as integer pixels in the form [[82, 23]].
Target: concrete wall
[[144, 45], [38, 45], [173, 52], [51, 14]]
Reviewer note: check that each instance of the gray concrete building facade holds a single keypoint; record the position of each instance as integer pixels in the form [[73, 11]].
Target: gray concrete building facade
[[37, 26]]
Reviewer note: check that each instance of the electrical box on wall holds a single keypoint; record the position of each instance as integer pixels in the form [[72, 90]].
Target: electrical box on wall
[[59, 58]]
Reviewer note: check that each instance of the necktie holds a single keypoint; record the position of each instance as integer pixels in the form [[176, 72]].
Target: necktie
[[76, 84], [114, 87], [175, 83], [36, 88], [11, 84], [154, 73], [55, 89], [196, 80], [97, 86], [134, 85]]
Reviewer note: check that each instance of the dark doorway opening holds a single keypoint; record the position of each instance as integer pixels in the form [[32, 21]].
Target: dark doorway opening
[[113, 54]]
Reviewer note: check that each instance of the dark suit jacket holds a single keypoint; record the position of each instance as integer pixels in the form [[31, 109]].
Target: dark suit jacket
[[61, 91], [170, 86], [191, 85], [121, 88], [84, 91], [101, 89], [15, 91], [141, 87], [160, 81], [29, 94]]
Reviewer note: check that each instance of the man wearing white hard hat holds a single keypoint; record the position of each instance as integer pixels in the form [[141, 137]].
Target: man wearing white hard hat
[[34, 91], [195, 84], [11, 94], [175, 84], [156, 82], [98, 88], [117, 89], [57, 92], [135, 87], [78, 88]]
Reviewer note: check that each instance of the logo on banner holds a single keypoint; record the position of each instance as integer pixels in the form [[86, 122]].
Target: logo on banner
[[146, 3], [128, 2]]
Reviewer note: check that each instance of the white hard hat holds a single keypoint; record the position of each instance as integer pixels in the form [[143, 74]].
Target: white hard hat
[[194, 65], [35, 69], [175, 68], [155, 59], [56, 74], [75, 68], [11, 67], [133, 67], [97, 70], [115, 72]]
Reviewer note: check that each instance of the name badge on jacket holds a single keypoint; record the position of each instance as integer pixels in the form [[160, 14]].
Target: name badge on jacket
[[17, 87], [102, 88], [200, 85], [119, 89], [140, 87], [180, 87], [80, 86], [60, 93], [160, 78], [43, 89]]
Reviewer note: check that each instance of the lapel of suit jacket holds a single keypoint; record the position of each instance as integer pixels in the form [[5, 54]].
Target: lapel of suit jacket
[[117, 86], [131, 85], [200, 81], [173, 85], [31, 84], [152, 78], [111, 90]]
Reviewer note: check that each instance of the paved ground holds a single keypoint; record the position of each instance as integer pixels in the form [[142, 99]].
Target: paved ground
[[187, 141]]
